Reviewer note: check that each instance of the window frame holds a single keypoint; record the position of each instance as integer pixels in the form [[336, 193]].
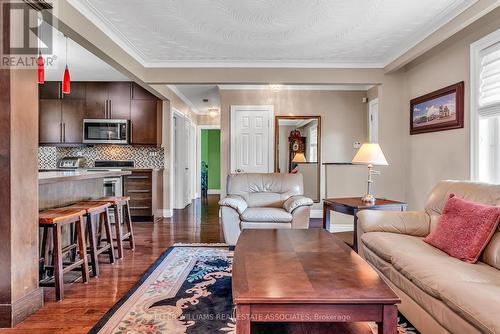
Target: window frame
[[475, 66]]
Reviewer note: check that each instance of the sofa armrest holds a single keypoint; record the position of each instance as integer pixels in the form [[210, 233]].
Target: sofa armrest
[[235, 202], [295, 202], [415, 223]]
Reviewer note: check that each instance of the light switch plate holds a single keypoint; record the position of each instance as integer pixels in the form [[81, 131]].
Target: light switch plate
[[356, 145]]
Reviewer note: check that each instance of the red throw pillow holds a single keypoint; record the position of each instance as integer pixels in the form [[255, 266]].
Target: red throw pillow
[[464, 229]]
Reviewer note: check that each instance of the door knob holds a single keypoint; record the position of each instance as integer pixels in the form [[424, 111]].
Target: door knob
[[239, 171]]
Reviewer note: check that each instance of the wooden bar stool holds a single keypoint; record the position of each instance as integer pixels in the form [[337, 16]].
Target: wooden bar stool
[[100, 210], [56, 219], [116, 204]]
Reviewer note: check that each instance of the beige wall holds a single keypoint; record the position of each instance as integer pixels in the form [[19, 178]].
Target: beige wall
[[208, 120], [343, 118], [445, 154]]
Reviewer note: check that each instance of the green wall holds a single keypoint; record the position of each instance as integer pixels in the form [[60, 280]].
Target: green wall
[[210, 153]]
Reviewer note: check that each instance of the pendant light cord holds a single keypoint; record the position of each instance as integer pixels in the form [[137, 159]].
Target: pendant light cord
[[66, 51]]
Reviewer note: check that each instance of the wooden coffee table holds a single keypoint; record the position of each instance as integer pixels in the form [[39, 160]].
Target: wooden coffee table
[[297, 276]]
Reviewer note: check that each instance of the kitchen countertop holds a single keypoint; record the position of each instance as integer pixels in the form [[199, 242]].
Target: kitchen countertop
[[46, 177]]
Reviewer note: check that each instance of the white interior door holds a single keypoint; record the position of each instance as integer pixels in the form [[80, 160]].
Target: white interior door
[[373, 121], [252, 139], [182, 172]]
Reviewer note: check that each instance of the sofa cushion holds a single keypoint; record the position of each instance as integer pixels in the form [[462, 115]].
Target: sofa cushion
[[476, 298], [261, 214], [386, 244], [464, 229]]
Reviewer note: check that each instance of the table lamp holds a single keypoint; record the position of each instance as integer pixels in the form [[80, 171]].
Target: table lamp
[[370, 154]]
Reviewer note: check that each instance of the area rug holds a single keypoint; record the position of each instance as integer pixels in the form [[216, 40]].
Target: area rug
[[186, 291]]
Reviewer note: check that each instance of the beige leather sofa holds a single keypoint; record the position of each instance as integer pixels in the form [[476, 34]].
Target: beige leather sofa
[[440, 294], [263, 201]]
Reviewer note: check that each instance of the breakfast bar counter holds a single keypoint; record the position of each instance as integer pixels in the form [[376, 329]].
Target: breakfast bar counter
[[59, 188]]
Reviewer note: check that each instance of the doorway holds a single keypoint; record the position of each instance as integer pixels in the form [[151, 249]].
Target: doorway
[[183, 160], [209, 175]]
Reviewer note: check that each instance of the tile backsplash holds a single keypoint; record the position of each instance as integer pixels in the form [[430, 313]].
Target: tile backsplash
[[143, 156]]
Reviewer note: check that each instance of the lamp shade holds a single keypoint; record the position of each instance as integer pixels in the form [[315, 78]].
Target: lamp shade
[[299, 157], [370, 154]]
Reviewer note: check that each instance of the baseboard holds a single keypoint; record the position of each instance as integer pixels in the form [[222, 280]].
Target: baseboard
[[316, 214], [12, 314], [336, 228], [213, 191], [165, 213]]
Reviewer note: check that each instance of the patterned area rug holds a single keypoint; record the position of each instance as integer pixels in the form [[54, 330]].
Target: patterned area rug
[[188, 290]]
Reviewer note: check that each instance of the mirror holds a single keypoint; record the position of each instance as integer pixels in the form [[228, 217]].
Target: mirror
[[297, 150]]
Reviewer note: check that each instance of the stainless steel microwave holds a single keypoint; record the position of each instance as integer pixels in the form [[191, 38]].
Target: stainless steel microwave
[[105, 131]]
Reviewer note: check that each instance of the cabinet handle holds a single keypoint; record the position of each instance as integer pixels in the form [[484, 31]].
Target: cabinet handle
[[61, 138], [139, 207], [137, 177], [109, 108], [131, 133], [64, 132], [137, 191]]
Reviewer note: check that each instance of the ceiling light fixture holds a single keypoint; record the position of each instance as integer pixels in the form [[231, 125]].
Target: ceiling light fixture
[[213, 112], [66, 87]]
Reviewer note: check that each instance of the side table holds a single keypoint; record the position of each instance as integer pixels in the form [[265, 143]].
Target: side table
[[351, 206]]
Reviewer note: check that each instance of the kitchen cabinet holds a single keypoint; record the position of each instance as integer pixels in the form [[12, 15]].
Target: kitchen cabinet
[[119, 100], [109, 100], [50, 90], [145, 122], [62, 115], [49, 122], [139, 93], [73, 113], [139, 186], [96, 100], [61, 121]]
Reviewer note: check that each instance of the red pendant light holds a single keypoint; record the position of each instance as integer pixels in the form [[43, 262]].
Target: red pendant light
[[66, 86], [41, 69]]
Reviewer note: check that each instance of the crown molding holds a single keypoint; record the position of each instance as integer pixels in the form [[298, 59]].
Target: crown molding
[[299, 87]]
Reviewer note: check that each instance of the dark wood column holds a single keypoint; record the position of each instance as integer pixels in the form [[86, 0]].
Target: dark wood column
[[19, 291]]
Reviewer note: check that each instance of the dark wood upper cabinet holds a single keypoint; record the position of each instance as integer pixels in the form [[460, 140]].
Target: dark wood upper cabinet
[[119, 95], [139, 93], [96, 100], [50, 125], [61, 115], [145, 120], [73, 113], [50, 90], [77, 91]]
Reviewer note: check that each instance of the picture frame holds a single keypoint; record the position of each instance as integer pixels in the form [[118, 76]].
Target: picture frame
[[440, 110]]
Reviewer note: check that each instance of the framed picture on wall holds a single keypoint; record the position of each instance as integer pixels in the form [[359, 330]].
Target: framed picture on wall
[[438, 111]]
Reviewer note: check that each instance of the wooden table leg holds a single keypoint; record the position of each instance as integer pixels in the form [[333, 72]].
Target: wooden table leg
[[326, 216], [355, 233], [243, 319], [389, 324]]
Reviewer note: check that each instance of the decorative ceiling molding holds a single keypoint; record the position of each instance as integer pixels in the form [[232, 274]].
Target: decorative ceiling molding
[[237, 33], [298, 87]]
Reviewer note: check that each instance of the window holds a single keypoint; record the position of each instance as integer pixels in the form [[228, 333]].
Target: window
[[313, 144], [485, 109]]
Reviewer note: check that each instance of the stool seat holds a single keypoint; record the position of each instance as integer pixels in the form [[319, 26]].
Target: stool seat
[[91, 206], [118, 200], [60, 215]]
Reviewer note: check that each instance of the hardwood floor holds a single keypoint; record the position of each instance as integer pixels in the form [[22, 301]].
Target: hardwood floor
[[85, 304]]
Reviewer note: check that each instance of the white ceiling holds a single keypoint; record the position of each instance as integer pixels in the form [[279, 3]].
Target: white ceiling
[[193, 96], [83, 65], [340, 33]]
